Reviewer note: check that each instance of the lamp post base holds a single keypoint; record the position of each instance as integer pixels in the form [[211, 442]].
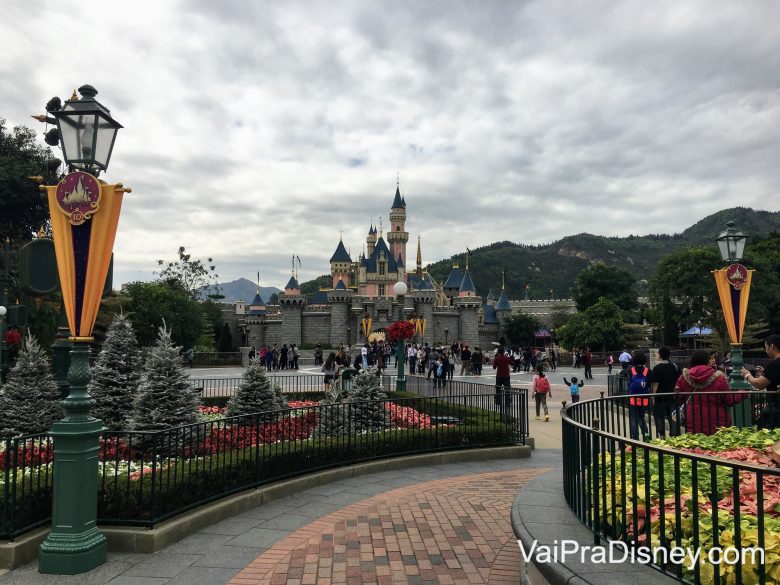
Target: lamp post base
[[74, 544], [742, 411], [72, 554]]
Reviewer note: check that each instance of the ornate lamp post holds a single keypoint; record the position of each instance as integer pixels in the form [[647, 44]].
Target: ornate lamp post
[[400, 289], [84, 216], [733, 285]]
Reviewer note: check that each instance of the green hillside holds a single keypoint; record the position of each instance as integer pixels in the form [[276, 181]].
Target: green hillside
[[556, 266]]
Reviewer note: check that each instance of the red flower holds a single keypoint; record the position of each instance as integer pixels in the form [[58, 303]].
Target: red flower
[[12, 337], [400, 330]]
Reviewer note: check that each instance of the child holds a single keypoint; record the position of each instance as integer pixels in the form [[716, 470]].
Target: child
[[574, 388], [541, 390]]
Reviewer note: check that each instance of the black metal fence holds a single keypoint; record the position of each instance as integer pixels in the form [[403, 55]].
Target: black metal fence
[[226, 387], [25, 481], [666, 501], [147, 477]]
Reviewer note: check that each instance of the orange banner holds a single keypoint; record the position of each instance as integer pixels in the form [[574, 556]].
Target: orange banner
[[733, 284], [83, 255]]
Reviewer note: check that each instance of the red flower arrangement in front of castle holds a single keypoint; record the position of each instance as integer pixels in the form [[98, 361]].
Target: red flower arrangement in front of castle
[[400, 330]]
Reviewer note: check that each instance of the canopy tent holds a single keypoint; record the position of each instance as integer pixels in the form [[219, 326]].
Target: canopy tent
[[694, 331], [543, 333]]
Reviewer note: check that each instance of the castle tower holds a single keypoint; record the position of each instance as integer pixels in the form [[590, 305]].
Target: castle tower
[[397, 236], [371, 239], [340, 264], [467, 288], [340, 301], [503, 307]]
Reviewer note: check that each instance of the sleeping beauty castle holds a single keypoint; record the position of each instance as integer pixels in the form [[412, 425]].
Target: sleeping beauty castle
[[361, 301]]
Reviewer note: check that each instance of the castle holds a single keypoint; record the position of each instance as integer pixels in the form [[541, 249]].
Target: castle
[[362, 293]]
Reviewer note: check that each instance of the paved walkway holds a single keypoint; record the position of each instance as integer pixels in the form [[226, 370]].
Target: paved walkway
[[441, 524]]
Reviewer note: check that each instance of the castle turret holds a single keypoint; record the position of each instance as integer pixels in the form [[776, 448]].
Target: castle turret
[[292, 287], [397, 236], [418, 272], [371, 239], [340, 264], [467, 288], [503, 308]]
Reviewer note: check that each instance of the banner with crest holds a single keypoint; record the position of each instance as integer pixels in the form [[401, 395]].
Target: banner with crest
[[733, 285]]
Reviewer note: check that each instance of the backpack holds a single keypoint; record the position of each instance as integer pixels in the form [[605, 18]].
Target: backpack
[[543, 385], [638, 384], [439, 370]]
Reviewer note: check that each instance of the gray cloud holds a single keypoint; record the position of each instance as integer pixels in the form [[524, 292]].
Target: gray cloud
[[254, 131]]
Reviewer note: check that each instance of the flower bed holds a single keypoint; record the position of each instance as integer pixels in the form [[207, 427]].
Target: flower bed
[[640, 505]]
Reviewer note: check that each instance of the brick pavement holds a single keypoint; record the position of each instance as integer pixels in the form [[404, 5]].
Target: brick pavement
[[450, 531]]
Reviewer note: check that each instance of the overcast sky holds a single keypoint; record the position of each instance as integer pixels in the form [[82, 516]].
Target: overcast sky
[[257, 130]]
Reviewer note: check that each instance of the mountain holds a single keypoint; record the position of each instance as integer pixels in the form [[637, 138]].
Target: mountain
[[554, 267], [244, 290]]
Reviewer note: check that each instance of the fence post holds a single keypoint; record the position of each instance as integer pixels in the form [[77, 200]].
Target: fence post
[[595, 477]]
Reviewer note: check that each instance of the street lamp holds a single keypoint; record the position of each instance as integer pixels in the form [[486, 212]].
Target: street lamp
[[731, 243], [84, 216], [400, 289], [733, 283], [87, 132]]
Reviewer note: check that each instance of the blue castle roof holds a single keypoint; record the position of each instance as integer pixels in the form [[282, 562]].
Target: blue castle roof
[[370, 262], [398, 202], [292, 283], [340, 285], [467, 285], [455, 279], [503, 302], [341, 254]]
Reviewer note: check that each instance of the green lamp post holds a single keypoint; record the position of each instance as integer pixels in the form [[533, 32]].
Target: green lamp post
[[733, 284], [84, 216], [3, 311], [400, 289]]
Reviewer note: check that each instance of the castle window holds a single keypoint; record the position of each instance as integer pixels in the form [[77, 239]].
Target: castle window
[[381, 290], [381, 269], [398, 228]]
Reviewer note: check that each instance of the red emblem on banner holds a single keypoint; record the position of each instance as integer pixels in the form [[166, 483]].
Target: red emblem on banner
[[737, 275], [78, 196]]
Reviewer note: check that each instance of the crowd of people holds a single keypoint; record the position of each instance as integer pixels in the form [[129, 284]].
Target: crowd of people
[[699, 394], [277, 358]]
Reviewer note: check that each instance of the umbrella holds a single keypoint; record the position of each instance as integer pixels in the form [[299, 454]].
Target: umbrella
[[495, 343]]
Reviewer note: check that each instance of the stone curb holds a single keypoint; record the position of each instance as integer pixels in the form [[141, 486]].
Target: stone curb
[[543, 496], [143, 540]]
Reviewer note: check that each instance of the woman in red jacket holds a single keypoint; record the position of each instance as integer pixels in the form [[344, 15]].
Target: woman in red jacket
[[704, 413]]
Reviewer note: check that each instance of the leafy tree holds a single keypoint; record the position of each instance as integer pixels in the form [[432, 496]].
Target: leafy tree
[[559, 316], [225, 339], [366, 395], [256, 393], [600, 325], [683, 292], [610, 282], [521, 328], [152, 302], [166, 397], [199, 279], [30, 399], [22, 208], [116, 375]]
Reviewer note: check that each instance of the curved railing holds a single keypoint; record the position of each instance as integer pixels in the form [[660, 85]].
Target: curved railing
[[662, 500], [147, 477]]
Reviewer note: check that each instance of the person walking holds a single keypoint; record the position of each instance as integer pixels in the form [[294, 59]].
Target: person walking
[[411, 357], [662, 381], [541, 390], [283, 357], [587, 360], [625, 359], [295, 356], [610, 363], [638, 401], [465, 361], [330, 369], [553, 359], [502, 364], [476, 361]]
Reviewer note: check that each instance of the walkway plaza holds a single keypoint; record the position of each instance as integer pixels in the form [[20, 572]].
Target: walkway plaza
[[448, 523]]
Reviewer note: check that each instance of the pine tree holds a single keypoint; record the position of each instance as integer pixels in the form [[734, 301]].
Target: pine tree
[[333, 414], [116, 376], [256, 393], [166, 397], [30, 399], [366, 413]]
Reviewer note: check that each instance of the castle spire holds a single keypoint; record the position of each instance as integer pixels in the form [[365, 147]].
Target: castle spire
[[419, 258], [503, 277], [380, 226]]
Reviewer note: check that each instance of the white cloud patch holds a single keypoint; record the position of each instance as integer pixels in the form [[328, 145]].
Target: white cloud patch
[[255, 131]]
